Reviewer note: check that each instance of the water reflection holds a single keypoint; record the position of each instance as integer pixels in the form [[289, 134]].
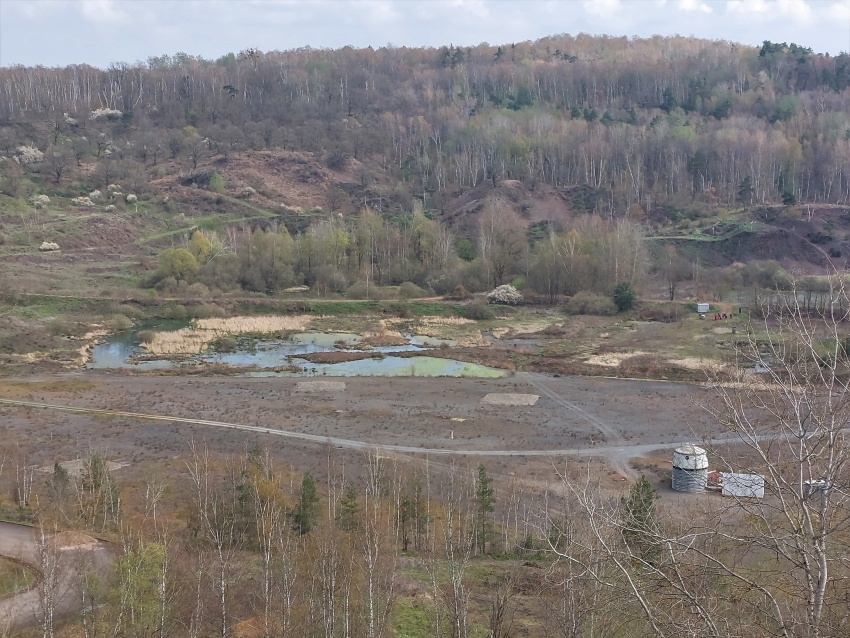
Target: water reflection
[[124, 351]]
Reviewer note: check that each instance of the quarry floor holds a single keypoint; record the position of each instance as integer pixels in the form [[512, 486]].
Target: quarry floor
[[572, 413]]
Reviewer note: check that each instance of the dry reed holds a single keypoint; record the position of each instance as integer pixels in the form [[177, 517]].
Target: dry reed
[[193, 339]]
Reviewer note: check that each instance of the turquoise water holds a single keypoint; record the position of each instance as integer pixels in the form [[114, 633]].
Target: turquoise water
[[121, 349], [423, 366]]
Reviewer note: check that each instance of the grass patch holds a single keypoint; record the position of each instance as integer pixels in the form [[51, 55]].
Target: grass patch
[[730, 229], [412, 618], [14, 578], [36, 305], [17, 389]]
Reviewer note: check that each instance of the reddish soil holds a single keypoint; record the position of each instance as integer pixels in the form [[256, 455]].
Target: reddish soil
[[278, 177]]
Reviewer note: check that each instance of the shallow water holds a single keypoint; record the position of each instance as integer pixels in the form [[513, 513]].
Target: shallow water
[[121, 349], [422, 366]]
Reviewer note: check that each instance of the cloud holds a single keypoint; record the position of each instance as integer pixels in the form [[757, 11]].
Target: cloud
[[602, 8], [378, 10], [33, 10], [795, 10], [840, 12], [694, 5], [103, 12]]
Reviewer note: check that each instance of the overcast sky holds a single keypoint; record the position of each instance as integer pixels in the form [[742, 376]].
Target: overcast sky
[[98, 32]]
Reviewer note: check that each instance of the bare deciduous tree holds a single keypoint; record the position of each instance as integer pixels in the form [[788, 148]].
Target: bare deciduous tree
[[775, 565]]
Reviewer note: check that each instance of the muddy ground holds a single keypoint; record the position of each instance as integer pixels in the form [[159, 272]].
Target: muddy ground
[[404, 411]]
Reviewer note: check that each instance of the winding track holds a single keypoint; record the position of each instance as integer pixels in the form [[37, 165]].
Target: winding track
[[622, 464], [620, 450], [19, 543]]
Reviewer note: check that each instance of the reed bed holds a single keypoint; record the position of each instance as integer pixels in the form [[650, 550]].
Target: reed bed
[[195, 338]]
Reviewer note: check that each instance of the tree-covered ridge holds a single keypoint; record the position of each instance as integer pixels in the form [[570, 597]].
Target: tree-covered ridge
[[645, 121]]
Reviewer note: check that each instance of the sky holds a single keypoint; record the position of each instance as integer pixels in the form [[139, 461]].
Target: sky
[[100, 32]]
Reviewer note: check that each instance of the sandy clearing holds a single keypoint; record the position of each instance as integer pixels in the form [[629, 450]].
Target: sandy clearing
[[73, 540], [695, 363], [509, 398], [314, 387], [612, 359], [75, 467], [520, 328], [445, 321]]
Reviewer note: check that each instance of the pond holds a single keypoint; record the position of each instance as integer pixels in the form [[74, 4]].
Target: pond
[[124, 350]]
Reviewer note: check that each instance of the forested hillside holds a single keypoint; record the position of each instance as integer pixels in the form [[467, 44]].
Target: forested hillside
[[442, 167], [652, 122]]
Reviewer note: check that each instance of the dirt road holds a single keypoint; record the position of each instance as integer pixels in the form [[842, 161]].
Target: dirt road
[[20, 543], [620, 450], [150, 420]]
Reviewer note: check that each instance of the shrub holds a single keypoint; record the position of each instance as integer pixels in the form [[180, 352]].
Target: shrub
[[224, 344], [166, 285], [40, 201], [105, 114], [146, 336], [25, 155], [649, 365], [216, 183], [131, 311], [624, 296], [663, 312], [409, 290], [590, 303], [358, 290], [398, 308], [57, 327], [331, 279], [336, 159], [207, 311], [120, 322], [177, 311], [477, 311], [505, 295], [532, 297], [197, 290]]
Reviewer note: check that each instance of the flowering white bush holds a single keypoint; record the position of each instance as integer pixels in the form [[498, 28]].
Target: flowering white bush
[[82, 201], [48, 246], [95, 194], [26, 155], [113, 187], [506, 295], [132, 199], [40, 201], [105, 114], [110, 208], [70, 121]]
